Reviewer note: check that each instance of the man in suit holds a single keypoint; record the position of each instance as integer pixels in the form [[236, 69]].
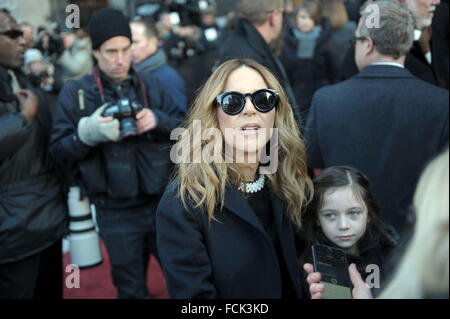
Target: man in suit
[[256, 36], [383, 121], [419, 59]]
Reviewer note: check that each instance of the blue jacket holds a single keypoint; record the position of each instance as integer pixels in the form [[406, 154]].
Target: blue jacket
[[118, 174], [174, 83]]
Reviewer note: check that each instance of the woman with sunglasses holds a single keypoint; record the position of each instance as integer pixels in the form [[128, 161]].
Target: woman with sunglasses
[[226, 226]]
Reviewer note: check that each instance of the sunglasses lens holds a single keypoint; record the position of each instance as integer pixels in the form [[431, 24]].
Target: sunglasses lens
[[13, 34], [264, 101], [231, 103], [16, 34]]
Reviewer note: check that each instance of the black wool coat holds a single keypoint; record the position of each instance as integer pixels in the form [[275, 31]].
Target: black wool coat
[[233, 257]]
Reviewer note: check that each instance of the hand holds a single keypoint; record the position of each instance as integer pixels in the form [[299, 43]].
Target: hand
[[315, 288], [95, 129], [361, 290], [28, 104], [145, 120]]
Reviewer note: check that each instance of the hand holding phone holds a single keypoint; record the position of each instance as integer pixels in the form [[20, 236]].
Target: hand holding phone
[[332, 264]]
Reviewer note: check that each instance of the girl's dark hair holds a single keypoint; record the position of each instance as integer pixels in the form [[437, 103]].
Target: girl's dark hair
[[334, 177]]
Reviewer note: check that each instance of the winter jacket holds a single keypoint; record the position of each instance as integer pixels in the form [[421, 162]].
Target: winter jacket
[[157, 65], [33, 213], [115, 174], [309, 74]]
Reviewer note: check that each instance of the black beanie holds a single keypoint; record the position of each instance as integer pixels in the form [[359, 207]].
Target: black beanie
[[106, 24]]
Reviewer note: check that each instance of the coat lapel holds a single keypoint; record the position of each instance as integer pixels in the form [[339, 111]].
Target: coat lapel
[[235, 202], [287, 242]]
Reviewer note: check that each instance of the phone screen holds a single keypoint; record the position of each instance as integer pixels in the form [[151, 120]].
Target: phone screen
[[332, 264]]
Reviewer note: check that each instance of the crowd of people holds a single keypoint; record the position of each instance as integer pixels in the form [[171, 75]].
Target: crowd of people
[[350, 113]]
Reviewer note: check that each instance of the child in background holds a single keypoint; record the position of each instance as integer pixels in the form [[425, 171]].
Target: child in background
[[343, 214], [308, 55]]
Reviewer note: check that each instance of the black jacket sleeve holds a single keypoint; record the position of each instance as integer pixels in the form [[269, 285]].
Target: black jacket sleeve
[[183, 252], [313, 151], [14, 132], [64, 142]]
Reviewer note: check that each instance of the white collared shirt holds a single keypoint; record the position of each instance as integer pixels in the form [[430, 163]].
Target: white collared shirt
[[417, 35], [389, 63]]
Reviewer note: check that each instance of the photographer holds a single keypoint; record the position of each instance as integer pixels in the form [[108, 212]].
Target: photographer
[[115, 137], [49, 44], [36, 70]]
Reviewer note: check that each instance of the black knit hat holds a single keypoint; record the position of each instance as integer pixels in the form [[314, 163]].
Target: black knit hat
[[106, 24]]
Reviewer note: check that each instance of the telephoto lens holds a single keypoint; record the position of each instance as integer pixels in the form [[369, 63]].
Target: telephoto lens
[[84, 241]]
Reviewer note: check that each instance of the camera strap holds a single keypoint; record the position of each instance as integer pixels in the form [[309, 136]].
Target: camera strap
[[98, 81]]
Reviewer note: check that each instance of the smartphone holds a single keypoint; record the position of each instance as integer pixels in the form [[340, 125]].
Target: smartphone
[[332, 264]]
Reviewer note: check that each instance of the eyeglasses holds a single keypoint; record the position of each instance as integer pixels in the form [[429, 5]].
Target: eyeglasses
[[233, 103], [12, 34], [354, 39]]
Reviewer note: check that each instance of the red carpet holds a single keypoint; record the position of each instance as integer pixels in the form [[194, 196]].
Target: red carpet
[[96, 282]]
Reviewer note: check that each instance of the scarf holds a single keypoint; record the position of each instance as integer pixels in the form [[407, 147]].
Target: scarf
[[306, 42], [153, 62]]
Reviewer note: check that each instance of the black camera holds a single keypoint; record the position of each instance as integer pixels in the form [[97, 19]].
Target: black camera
[[125, 111]]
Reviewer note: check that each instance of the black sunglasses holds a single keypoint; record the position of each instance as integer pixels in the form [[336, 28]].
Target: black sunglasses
[[354, 39], [233, 103], [12, 34]]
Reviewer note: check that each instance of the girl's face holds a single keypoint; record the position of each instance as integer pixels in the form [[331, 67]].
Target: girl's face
[[248, 131], [304, 22], [343, 218]]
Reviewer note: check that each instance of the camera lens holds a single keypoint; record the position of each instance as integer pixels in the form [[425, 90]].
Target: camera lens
[[128, 127], [84, 239]]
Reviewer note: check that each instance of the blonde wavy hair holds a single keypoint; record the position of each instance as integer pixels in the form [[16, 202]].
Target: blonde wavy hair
[[424, 269], [204, 183]]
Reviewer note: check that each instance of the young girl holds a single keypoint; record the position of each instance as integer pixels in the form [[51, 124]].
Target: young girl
[[344, 214]]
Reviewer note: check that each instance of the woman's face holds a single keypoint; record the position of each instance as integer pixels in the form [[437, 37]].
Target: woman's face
[[304, 22], [343, 218], [247, 132]]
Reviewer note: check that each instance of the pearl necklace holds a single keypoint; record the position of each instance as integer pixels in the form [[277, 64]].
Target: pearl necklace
[[253, 187]]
